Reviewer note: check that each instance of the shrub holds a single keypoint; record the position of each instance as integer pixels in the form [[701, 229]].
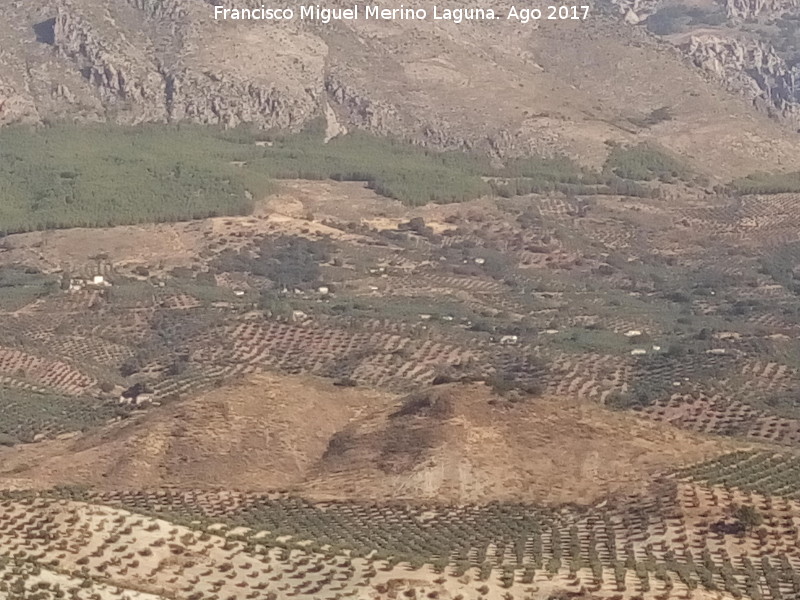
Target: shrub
[[747, 516], [645, 162], [7, 440]]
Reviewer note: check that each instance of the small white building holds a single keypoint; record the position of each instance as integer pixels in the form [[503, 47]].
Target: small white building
[[728, 335], [143, 399], [100, 281], [638, 351], [509, 339]]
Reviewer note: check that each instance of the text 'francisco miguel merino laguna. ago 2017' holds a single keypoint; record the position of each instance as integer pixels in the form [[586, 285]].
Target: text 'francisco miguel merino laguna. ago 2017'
[[324, 15]]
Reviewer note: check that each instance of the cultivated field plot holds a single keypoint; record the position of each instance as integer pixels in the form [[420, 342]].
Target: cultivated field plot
[[762, 472], [602, 299], [435, 344], [680, 541]]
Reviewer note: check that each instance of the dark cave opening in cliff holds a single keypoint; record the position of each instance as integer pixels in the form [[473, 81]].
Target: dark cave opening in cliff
[[46, 32]]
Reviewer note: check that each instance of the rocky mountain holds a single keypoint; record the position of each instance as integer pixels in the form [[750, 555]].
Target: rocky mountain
[[751, 67], [503, 87], [746, 45]]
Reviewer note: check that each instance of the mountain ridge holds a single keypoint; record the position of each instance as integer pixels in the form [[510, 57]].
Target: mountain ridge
[[499, 88]]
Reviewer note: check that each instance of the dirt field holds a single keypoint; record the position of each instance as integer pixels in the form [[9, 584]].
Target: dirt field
[[271, 432]]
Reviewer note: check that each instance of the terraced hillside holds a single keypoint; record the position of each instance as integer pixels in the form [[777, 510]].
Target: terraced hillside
[[687, 317], [397, 309], [342, 396], [681, 541]]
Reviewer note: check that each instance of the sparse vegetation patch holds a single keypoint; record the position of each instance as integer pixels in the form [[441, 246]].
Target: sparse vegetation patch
[[26, 417], [645, 162], [767, 183]]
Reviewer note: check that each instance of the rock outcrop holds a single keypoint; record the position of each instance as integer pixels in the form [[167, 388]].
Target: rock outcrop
[[15, 107], [116, 73], [750, 9], [498, 87], [736, 57], [162, 9], [634, 12], [16, 103], [749, 67], [139, 81]]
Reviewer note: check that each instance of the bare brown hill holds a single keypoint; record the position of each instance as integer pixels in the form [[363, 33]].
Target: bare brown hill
[[462, 443], [456, 443], [262, 433]]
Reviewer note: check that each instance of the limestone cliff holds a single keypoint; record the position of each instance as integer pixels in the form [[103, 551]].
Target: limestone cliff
[[750, 9], [138, 77], [499, 87], [750, 67], [740, 56]]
